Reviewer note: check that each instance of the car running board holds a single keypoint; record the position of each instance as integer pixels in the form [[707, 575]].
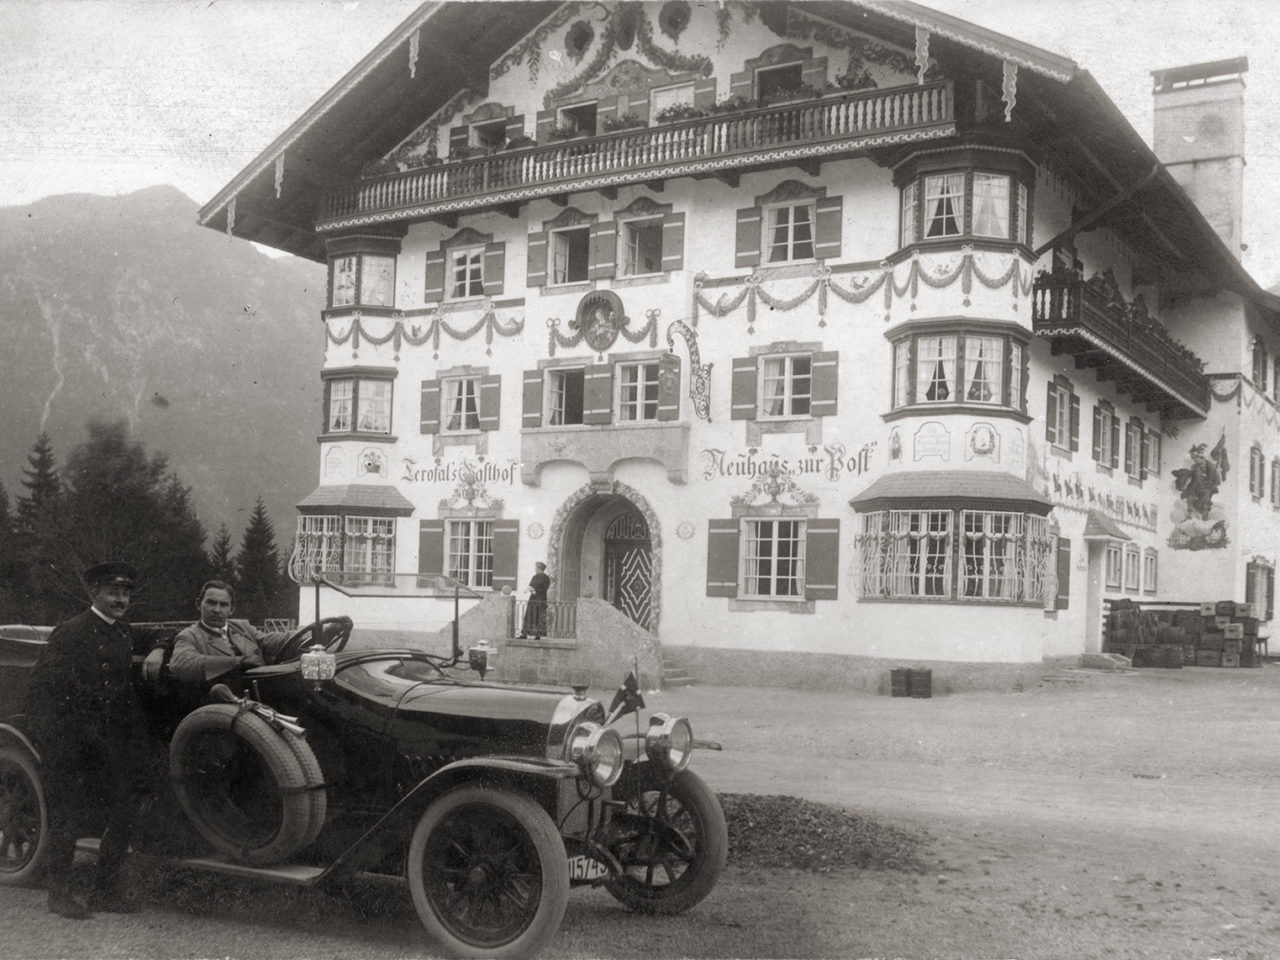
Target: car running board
[[296, 874]]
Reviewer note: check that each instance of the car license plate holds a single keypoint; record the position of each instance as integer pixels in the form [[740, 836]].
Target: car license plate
[[584, 868]]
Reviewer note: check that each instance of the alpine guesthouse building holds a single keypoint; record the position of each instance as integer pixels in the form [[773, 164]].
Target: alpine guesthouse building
[[799, 340]]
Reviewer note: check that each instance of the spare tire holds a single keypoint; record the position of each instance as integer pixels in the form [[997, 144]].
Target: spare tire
[[314, 778], [242, 786]]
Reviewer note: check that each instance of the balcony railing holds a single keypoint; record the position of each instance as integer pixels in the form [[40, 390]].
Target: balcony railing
[[718, 142], [1066, 305], [556, 619]]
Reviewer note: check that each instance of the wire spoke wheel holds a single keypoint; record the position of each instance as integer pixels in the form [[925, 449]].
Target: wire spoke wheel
[[488, 873], [24, 821], [672, 842]]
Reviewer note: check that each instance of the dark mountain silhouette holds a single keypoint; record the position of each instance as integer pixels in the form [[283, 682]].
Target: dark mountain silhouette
[[123, 307]]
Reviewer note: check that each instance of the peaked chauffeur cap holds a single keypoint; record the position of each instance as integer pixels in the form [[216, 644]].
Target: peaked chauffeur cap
[[111, 572]]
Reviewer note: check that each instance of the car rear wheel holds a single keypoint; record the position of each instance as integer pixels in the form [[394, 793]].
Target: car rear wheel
[[24, 817], [672, 841], [488, 873], [242, 786]]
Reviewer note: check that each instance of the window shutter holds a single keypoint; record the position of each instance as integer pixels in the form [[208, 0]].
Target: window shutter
[[743, 392], [458, 137], [431, 546], [668, 387], [1051, 415], [1063, 599], [324, 408], [433, 289], [490, 401], [1097, 433], [597, 393], [747, 248], [673, 242], [430, 406], [515, 127], [532, 399], [546, 119], [722, 558], [742, 85], [704, 93], [825, 368], [821, 559], [1075, 423], [506, 553], [495, 268], [1144, 450], [828, 218], [1115, 442], [603, 258], [1271, 592], [537, 259], [1251, 584]]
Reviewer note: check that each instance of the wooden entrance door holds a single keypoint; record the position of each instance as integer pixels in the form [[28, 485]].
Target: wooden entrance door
[[628, 560]]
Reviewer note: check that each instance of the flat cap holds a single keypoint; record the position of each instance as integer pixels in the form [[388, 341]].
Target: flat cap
[[113, 571]]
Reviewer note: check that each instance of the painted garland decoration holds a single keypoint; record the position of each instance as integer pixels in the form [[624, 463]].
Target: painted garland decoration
[[753, 289], [578, 39], [673, 18], [531, 46], [861, 49], [416, 335], [571, 340], [625, 26]]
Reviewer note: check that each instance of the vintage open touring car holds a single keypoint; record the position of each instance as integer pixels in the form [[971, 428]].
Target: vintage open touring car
[[491, 800]]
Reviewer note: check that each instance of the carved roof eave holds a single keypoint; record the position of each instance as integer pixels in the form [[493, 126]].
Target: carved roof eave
[[637, 175]]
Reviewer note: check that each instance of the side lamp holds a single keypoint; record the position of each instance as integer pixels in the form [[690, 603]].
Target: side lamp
[[482, 657], [318, 665]]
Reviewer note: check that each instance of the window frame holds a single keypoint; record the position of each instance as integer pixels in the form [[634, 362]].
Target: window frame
[[918, 178], [474, 380], [1113, 566], [1257, 472], [1152, 453], [788, 377], [1258, 361], [1150, 570], [451, 267], [1107, 422], [359, 380], [625, 227], [776, 68], [569, 112], [1134, 436], [1132, 568], [1275, 482], [551, 377], [359, 285], [341, 546], [654, 109], [553, 234], [643, 386], [797, 559], [908, 391], [768, 213], [475, 536]]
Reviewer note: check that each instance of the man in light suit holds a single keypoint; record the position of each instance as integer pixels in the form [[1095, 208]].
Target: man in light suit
[[215, 647]]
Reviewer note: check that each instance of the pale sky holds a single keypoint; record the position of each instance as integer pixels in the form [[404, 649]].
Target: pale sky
[[109, 96]]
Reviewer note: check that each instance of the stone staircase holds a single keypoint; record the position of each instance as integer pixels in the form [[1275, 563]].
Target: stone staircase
[[674, 673]]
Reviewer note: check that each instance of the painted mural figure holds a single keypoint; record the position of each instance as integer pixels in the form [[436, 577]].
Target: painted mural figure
[[1198, 523]]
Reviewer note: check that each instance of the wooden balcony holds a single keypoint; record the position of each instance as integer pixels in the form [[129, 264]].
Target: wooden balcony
[[1135, 351], [714, 145]]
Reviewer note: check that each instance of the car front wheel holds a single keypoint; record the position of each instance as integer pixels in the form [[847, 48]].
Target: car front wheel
[[488, 873], [671, 840], [24, 817]]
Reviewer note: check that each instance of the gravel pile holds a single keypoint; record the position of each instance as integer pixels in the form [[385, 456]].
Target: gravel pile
[[778, 831]]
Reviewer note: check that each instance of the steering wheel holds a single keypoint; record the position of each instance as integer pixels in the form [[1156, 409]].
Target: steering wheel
[[293, 645]]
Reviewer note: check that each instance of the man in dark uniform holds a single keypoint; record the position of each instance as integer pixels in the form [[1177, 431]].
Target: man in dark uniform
[[83, 709]]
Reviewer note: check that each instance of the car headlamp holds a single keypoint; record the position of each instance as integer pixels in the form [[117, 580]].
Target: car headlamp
[[669, 741], [598, 751]]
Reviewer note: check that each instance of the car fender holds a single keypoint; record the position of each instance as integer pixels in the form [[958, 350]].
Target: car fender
[[398, 821], [10, 734]]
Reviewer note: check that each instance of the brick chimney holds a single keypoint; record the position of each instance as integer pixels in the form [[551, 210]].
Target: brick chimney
[[1199, 137]]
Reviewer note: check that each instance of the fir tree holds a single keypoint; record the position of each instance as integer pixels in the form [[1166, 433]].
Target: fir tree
[[222, 566], [10, 562], [40, 477], [258, 569], [118, 503], [37, 598]]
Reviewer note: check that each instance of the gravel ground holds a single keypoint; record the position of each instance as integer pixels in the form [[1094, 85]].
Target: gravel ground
[[1130, 815]]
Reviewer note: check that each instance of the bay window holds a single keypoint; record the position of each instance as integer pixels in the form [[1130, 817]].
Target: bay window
[[347, 549], [358, 401], [362, 279], [973, 192], [946, 363]]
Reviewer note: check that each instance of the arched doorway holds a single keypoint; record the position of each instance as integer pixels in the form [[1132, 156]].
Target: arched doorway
[[604, 543]]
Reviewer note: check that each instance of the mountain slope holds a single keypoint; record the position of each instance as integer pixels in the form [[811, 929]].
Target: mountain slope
[[124, 307]]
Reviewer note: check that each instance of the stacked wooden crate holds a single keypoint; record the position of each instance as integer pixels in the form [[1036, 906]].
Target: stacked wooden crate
[[1213, 634]]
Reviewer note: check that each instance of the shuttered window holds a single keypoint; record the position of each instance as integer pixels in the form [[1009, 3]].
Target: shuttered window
[[1062, 415], [461, 404], [773, 558], [630, 391], [462, 272], [785, 386]]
